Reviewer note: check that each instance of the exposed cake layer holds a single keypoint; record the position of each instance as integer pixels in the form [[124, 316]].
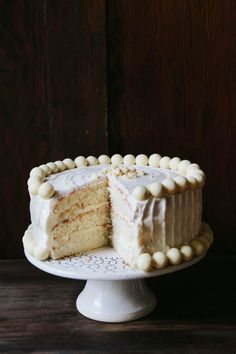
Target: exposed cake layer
[[82, 220], [78, 242], [81, 200], [97, 217], [58, 222]]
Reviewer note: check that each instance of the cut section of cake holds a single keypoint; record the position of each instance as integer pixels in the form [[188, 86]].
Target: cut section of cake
[[138, 206]]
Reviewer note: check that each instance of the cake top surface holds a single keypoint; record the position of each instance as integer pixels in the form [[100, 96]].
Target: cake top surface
[[129, 177], [142, 175]]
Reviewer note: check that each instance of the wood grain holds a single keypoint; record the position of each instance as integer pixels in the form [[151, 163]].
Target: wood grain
[[194, 315], [172, 89], [52, 96], [76, 77], [24, 131]]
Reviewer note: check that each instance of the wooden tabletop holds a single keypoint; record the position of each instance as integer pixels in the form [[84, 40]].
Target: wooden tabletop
[[196, 313]]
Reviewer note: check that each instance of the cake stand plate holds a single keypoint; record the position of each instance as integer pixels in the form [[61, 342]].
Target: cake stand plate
[[113, 292]]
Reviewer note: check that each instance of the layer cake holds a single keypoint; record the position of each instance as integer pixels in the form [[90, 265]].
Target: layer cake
[[148, 209]]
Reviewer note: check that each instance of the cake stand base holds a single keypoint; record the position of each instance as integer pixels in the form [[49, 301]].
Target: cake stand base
[[114, 292], [115, 300]]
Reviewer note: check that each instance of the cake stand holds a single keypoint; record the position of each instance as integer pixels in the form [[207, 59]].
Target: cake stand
[[113, 292]]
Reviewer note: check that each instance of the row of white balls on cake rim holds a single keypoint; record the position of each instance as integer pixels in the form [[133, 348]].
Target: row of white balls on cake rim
[[174, 256], [194, 175], [168, 186]]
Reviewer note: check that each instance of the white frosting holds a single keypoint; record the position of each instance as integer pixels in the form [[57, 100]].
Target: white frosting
[[166, 222]]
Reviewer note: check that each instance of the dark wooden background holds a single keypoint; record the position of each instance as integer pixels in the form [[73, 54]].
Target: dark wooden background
[[88, 77]]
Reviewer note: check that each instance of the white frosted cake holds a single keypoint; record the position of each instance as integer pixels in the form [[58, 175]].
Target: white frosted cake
[[148, 209]]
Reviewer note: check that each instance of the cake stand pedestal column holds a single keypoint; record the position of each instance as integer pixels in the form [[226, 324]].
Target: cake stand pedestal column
[[115, 300]]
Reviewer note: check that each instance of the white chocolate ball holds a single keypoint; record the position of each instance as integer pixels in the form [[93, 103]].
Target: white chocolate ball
[[182, 183], [174, 256], [46, 190], [92, 160], [193, 167], [33, 179], [183, 166], [169, 185], [159, 260], [156, 189], [29, 247], [198, 247], [208, 234], [192, 183], [117, 160], [29, 242], [205, 241], [61, 166], [201, 172], [46, 169], [187, 252], [129, 160], [165, 162], [144, 262], [40, 253], [140, 193], [34, 187], [205, 227], [53, 167], [81, 161], [199, 178], [142, 160], [37, 171], [174, 163], [69, 163], [154, 160], [104, 160]]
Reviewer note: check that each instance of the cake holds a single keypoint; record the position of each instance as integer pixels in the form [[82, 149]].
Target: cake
[[148, 209]]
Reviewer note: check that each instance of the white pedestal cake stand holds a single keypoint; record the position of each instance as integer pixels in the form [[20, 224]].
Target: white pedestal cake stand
[[113, 292]]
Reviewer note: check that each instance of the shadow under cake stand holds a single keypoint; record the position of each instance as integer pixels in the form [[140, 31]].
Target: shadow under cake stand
[[113, 292]]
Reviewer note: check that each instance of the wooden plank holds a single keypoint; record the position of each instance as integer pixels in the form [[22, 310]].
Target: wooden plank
[[194, 315], [76, 77], [23, 116], [52, 99], [172, 90]]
